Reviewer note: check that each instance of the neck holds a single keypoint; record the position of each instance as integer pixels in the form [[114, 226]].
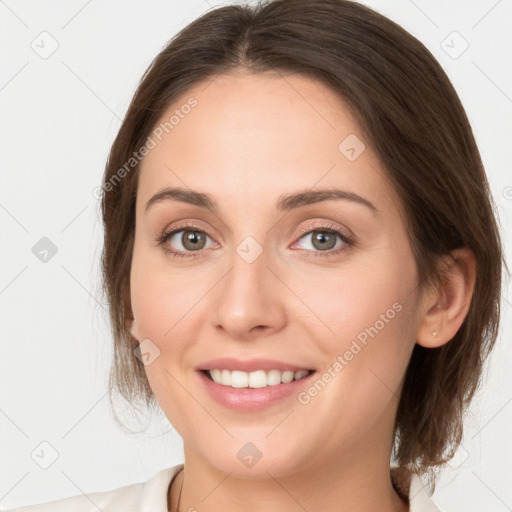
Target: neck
[[341, 483]]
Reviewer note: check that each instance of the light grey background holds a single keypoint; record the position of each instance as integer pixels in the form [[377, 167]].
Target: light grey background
[[59, 116]]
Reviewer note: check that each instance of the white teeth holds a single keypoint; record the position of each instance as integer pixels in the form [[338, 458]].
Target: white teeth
[[300, 374], [216, 375], [287, 376], [273, 377], [256, 379], [225, 377], [239, 379]]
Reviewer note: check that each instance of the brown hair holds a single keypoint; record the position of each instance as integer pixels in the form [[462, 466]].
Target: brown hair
[[411, 117]]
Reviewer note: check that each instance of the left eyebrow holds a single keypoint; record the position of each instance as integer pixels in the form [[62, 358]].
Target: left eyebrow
[[286, 202]]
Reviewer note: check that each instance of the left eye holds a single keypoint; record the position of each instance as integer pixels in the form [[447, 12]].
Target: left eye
[[324, 239]]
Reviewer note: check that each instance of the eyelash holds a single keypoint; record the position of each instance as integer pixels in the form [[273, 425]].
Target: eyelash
[[347, 240]]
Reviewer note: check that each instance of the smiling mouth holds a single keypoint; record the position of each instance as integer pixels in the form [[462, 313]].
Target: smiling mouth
[[255, 379]]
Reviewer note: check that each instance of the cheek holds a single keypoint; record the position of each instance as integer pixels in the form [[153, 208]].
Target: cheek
[[370, 309], [166, 305], [163, 309], [162, 300], [357, 295]]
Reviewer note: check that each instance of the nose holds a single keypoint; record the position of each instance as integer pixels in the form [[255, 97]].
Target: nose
[[250, 299]]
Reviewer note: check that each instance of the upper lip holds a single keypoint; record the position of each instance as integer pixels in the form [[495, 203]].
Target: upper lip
[[250, 365]]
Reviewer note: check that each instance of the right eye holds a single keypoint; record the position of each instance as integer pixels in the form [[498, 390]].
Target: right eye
[[188, 239]]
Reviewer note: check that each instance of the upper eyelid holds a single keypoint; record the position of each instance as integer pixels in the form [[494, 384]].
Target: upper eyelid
[[327, 226], [317, 225]]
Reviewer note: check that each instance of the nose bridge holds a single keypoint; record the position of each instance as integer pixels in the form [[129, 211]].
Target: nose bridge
[[248, 297], [246, 280]]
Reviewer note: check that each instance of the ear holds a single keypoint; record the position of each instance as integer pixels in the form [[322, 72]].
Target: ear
[[134, 330], [444, 310]]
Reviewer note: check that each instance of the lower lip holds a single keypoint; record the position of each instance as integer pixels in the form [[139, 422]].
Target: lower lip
[[252, 399]]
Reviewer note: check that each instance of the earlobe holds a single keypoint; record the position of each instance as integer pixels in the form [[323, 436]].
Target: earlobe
[[446, 310]]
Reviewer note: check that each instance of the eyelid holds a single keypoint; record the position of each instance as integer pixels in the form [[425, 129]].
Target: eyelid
[[176, 226], [326, 224], [184, 225]]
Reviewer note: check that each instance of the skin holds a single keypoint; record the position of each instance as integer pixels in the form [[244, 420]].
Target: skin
[[250, 139]]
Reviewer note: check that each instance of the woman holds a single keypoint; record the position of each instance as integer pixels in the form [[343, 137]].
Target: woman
[[294, 372]]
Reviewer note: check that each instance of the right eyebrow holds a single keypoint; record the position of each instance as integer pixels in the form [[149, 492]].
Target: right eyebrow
[[186, 196]]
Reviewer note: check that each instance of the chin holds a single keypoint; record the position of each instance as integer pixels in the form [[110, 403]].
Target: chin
[[256, 459]]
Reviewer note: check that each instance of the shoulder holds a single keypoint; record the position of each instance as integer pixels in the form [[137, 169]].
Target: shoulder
[[106, 501], [150, 495]]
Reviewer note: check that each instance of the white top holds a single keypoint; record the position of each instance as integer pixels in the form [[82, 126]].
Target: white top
[[151, 496]]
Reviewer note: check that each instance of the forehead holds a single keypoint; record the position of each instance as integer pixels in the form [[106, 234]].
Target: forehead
[[260, 135]]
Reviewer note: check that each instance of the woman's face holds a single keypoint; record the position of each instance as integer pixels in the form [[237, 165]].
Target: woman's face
[[265, 283]]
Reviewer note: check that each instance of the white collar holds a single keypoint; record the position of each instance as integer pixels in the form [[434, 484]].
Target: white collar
[[419, 498]]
